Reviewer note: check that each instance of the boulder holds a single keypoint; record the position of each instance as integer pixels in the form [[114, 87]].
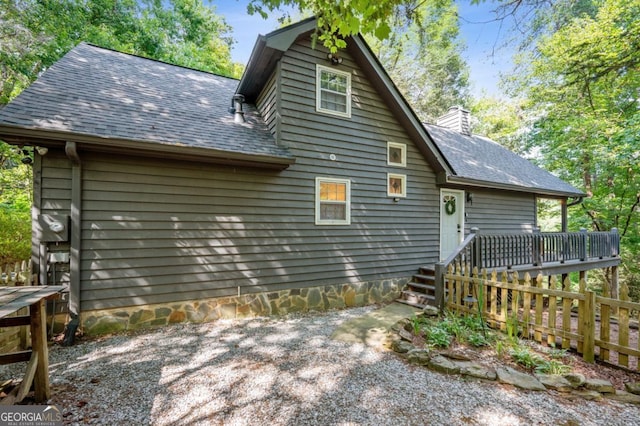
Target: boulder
[[401, 346], [576, 379], [599, 385], [405, 335], [431, 311], [555, 382], [589, 395], [633, 387], [419, 356], [623, 396], [473, 369], [520, 380], [442, 364]]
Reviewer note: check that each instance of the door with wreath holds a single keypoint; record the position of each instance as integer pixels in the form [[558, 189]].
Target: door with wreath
[[451, 221]]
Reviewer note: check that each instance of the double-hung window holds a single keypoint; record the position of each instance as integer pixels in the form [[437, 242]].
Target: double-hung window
[[333, 201], [333, 91]]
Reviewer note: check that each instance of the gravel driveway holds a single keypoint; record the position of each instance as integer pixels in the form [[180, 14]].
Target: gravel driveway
[[284, 371]]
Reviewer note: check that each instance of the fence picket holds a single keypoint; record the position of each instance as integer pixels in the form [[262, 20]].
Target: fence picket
[[509, 291], [623, 326], [538, 308], [551, 318]]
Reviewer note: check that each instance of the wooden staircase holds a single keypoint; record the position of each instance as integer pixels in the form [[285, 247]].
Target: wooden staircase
[[421, 290]]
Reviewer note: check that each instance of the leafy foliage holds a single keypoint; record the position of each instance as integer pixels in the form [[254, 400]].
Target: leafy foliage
[[423, 56], [581, 83], [15, 207]]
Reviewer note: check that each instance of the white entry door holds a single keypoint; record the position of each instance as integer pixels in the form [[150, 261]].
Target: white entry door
[[451, 221]]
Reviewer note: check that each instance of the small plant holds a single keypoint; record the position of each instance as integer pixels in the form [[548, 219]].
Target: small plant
[[501, 348], [552, 367], [439, 337], [415, 325], [523, 356], [477, 339], [513, 327]]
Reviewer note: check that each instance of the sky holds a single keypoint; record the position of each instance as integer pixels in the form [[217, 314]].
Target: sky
[[481, 34]]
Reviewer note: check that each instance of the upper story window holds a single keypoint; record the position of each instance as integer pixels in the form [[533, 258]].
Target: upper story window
[[396, 154], [333, 91], [333, 201], [396, 185]]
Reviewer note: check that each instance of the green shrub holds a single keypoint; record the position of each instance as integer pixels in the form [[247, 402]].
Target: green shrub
[[15, 238]]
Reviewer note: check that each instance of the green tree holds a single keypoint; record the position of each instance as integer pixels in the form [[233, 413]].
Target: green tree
[[423, 56], [15, 206], [581, 84]]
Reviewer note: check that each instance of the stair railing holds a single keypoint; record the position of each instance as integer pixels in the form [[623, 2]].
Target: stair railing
[[466, 254]]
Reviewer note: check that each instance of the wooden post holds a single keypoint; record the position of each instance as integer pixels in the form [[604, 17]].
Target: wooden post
[[583, 244], [605, 333], [581, 314], [440, 285], [588, 327], [39, 344]]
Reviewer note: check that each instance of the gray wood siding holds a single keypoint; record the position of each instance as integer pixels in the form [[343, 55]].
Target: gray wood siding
[[266, 104], [157, 231], [56, 184], [501, 212]]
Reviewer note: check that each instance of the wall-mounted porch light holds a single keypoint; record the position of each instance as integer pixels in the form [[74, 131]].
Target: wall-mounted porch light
[[335, 59]]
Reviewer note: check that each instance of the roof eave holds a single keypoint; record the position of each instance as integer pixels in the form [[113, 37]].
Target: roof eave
[[546, 192], [265, 55], [17, 135]]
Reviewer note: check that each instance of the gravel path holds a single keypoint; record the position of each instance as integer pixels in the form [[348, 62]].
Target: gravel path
[[284, 371]]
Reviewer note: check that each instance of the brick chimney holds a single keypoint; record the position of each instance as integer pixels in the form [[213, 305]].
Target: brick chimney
[[457, 118]]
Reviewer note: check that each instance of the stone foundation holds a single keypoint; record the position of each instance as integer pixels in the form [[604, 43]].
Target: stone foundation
[[258, 304]]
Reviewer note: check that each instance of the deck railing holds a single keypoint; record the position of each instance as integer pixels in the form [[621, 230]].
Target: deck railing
[[534, 249]]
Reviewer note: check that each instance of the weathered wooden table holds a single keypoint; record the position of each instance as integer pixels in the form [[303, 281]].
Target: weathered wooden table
[[12, 299]]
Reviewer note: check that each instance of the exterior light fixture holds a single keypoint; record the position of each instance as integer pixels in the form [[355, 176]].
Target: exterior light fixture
[[335, 59]]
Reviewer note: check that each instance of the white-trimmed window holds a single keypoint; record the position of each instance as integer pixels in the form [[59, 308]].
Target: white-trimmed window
[[333, 201], [333, 91], [396, 154], [396, 185]]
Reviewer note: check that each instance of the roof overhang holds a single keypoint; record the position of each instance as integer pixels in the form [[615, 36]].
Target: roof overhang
[[90, 143], [541, 192], [266, 54]]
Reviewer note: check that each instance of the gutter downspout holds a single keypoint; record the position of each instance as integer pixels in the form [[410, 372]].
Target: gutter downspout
[[70, 150]]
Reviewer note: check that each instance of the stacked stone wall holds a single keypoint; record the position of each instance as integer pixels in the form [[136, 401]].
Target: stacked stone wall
[[282, 302]]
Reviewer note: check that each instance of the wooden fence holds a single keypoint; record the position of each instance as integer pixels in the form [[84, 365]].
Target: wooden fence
[[13, 339], [596, 326]]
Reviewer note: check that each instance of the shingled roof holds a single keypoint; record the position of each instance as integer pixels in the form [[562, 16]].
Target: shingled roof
[[112, 99], [479, 161]]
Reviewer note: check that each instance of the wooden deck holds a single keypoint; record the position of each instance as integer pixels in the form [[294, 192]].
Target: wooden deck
[[546, 253]]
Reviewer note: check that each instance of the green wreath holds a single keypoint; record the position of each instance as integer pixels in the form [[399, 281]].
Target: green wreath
[[450, 206]]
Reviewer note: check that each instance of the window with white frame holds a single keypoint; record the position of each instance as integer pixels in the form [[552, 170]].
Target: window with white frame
[[333, 201], [333, 91], [396, 154], [396, 185]]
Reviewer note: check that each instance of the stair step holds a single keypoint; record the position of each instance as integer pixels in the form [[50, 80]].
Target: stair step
[[428, 270], [415, 305], [415, 297], [427, 278], [422, 286]]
